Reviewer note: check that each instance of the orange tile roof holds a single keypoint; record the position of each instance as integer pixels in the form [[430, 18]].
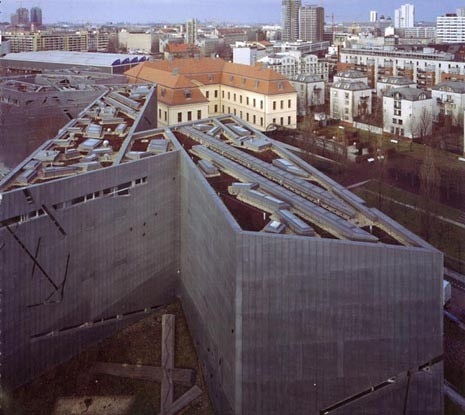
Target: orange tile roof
[[187, 73], [180, 48], [171, 89], [256, 79]]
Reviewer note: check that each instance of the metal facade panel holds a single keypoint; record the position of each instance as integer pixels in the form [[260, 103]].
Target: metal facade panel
[[116, 254], [208, 281], [337, 315]]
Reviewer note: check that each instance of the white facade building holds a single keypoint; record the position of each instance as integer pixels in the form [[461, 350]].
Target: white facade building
[[418, 64], [310, 92], [449, 100], [450, 29], [136, 41], [291, 64], [248, 53], [245, 55], [373, 16], [349, 99], [408, 112], [404, 16]]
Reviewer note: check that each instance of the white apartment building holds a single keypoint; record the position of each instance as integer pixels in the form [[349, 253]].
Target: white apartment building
[[386, 83], [310, 92], [450, 29], [373, 16], [404, 16], [136, 41], [291, 64], [422, 67], [349, 100], [408, 112], [449, 100], [248, 53], [419, 32], [304, 48]]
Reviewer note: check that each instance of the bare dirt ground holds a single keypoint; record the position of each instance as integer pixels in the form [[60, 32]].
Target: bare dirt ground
[[73, 388]]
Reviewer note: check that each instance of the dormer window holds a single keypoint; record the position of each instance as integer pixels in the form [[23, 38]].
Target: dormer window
[[187, 93]]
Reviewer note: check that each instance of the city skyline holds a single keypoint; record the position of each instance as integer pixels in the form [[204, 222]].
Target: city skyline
[[240, 11]]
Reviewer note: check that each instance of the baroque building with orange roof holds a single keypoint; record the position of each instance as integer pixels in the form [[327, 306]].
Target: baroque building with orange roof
[[192, 89]]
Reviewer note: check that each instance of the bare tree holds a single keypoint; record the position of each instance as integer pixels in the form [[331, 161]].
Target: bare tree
[[423, 125], [377, 111]]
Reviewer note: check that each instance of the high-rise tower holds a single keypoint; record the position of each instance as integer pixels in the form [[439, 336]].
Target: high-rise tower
[[191, 31], [36, 16], [404, 16], [311, 23], [290, 20], [21, 17]]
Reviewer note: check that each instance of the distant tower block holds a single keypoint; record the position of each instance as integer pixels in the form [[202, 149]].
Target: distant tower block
[[373, 16], [36, 17]]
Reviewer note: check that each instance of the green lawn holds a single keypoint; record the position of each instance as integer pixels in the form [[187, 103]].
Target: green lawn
[[446, 237]]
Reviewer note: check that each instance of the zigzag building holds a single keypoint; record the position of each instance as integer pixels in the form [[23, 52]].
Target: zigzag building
[[300, 298]]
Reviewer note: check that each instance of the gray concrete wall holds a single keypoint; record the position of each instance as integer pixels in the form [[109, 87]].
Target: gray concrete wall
[[323, 320], [208, 282], [123, 257], [282, 324]]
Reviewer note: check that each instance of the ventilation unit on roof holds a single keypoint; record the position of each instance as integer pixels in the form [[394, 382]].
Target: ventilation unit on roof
[[176, 71]]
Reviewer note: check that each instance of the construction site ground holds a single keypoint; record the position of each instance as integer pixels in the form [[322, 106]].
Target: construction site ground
[[75, 388]]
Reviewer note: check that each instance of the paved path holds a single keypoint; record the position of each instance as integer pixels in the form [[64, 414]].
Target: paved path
[[353, 186], [444, 219]]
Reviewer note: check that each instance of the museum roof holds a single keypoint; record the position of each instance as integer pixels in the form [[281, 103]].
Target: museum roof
[[78, 58], [264, 185], [101, 136]]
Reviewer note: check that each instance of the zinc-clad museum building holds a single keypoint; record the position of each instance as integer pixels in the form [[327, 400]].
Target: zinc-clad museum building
[[300, 298], [36, 62]]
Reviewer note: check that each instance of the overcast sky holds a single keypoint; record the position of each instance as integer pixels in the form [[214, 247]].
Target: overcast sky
[[246, 11]]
